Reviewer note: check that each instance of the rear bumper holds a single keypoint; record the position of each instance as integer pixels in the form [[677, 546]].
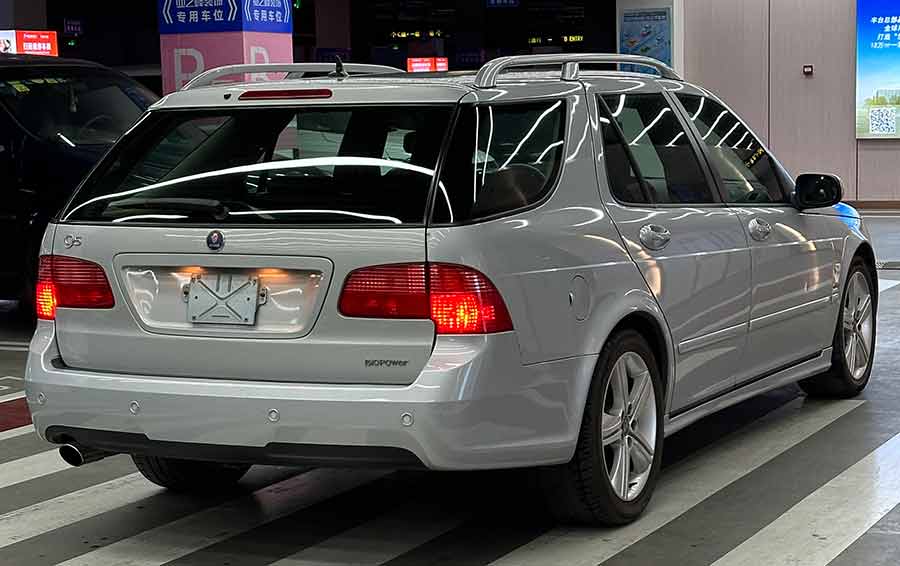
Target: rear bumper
[[474, 406]]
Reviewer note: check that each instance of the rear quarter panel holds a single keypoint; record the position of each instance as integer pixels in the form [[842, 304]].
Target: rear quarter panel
[[561, 267]]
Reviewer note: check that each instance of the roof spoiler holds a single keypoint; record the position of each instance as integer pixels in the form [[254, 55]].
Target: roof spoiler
[[211, 76]]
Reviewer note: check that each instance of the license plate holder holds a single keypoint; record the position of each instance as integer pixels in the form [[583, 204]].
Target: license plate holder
[[223, 298]]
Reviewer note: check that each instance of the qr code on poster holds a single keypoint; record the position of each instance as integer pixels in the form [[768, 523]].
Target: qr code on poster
[[883, 120]]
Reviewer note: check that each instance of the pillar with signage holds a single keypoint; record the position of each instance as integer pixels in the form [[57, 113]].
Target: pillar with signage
[[197, 35]]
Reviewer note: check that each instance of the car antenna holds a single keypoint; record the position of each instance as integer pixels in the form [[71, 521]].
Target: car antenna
[[338, 72]]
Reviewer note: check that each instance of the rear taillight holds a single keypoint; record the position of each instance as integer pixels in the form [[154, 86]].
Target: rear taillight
[[458, 299], [386, 291], [72, 283], [464, 301]]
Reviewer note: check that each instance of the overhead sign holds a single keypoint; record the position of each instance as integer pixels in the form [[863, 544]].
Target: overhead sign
[[877, 68], [426, 64], [24, 42], [202, 16]]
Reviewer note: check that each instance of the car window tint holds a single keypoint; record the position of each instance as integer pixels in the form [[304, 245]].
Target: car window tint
[[73, 107], [502, 158], [747, 170], [624, 182], [348, 165], [661, 148]]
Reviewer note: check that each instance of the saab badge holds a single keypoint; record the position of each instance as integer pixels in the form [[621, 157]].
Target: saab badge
[[215, 240]]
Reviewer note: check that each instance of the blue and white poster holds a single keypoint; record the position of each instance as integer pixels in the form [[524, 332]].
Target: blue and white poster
[[203, 16], [878, 69], [646, 32]]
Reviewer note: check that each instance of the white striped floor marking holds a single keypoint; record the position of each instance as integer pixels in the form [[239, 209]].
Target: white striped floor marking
[[12, 397], [686, 485], [14, 432], [197, 531], [816, 530], [31, 467], [52, 514], [885, 284], [382, 539]]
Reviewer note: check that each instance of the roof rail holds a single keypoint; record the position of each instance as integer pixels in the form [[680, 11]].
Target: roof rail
[[487, 75], [211, 76]]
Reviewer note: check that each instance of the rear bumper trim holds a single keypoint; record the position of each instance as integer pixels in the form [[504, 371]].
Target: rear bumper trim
[[273, 453]]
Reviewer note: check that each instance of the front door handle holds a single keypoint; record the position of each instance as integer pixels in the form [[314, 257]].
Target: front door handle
[[655, 237], [760, 230]]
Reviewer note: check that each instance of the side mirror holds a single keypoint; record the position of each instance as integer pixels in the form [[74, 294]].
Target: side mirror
[[817, 190]]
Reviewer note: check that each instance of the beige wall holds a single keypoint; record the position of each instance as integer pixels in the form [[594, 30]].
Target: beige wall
[[752, 53], [726, 49]]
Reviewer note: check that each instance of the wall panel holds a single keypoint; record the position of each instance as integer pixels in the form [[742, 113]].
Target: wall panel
[[812, 124], [727, 51]]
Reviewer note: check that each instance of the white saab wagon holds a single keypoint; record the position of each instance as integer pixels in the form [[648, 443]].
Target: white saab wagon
[[518, 267]]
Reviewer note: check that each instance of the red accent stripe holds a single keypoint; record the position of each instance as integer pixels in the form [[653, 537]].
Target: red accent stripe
[[14, 414]]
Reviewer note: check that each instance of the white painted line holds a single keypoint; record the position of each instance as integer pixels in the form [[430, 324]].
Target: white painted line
[[31, 467], [197, 531], [12, 397], [885, 284], [816, 530], [20, 343], [686, 485], [377, 541], [58, 512], [14, 348], [14, 432]]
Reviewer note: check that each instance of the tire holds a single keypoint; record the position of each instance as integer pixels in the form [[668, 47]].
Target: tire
[[189, 475], [583, 491], [854, 339]]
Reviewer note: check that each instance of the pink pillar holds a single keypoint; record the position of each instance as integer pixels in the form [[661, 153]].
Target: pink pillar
[[221, 32]]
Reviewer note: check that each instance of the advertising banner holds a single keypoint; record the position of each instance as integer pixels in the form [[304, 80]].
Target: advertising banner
[[427, 64], [878, 69], [37, 43], [646, 32], [29, 42]]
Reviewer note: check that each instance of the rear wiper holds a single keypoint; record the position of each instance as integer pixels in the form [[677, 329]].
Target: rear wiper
[[213, 207]]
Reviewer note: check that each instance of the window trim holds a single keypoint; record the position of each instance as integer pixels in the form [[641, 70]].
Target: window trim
[[717, 202], [114, 150], [719, 181], [553, 185]]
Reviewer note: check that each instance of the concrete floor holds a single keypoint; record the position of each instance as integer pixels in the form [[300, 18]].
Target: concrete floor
[[778, 480]]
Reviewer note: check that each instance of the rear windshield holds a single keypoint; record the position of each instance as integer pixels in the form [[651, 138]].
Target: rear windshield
[[325, 166], [73, 106]]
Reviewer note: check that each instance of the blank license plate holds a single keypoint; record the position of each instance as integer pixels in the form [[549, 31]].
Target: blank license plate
[[223, 298]]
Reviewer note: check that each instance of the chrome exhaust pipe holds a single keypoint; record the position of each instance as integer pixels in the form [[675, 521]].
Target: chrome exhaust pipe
[[77, 455]]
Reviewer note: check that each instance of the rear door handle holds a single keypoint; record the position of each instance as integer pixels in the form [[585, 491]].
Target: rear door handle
[[655, 237], [760, 229]]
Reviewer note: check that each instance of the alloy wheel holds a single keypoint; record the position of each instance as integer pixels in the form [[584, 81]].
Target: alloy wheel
[[857, 326], [629, 431]]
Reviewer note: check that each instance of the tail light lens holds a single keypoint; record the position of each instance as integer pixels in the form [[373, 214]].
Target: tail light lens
[[73, 283], [464, 301], [386, 291], [458, 299]]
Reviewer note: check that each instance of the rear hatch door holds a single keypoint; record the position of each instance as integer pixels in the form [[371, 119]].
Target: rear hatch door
[[227, 236]]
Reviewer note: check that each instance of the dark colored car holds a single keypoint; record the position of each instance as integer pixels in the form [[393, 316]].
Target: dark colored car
[[57, 119]]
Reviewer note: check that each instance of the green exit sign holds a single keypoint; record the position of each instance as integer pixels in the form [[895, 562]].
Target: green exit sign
[[297, 4]]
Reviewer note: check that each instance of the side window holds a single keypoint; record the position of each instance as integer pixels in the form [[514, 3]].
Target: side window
[[660, 147], [624, 181], [748, 172], [502, 158]]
